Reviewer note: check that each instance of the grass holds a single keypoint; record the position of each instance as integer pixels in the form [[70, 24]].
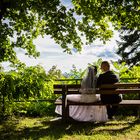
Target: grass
[[25, 128]]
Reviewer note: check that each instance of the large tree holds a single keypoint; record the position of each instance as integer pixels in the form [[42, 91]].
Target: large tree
[[21, 21]]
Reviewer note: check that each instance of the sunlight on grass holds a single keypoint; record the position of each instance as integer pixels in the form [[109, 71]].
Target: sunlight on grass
[[127, 128]]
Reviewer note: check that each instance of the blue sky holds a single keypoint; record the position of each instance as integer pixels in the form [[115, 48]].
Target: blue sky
[[52, 54]]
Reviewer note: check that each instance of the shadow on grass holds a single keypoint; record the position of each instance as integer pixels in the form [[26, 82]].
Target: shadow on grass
[[57, 129]]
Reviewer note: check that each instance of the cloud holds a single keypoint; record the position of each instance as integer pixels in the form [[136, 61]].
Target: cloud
[[108, 54], [52, 54]]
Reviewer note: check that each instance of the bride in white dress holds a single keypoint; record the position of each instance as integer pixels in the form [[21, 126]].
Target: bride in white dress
[[86, 113]]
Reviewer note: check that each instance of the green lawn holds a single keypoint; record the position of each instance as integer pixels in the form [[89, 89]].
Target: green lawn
[[127, 128]]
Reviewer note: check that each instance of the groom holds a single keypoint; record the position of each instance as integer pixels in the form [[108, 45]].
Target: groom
[[108, 77]]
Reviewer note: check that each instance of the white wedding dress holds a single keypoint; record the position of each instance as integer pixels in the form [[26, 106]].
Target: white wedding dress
[[86, 113]]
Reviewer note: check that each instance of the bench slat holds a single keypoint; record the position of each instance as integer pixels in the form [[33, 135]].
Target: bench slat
[[116, 85], [58, 86], [121, 85], [58, 92], [118, 91], [130, 102], [123, 102], [115, 91]]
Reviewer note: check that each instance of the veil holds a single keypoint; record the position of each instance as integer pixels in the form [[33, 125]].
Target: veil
[[88, 83]]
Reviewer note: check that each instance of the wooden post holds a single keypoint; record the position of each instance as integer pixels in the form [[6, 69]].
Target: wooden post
[[67, 111], [64, 102], [65, 106]]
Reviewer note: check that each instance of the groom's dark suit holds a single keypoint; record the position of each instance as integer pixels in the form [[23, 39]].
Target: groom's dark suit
[[109, 78]]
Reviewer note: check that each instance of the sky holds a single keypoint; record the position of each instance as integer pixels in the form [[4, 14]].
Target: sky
[[52, 54]]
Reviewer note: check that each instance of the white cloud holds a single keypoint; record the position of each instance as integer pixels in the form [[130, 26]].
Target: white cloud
[[52, 54]]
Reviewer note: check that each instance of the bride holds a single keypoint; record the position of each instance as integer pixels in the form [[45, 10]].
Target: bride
[[86, 113]]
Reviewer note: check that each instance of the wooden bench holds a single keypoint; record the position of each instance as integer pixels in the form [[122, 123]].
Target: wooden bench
[[117, 88]]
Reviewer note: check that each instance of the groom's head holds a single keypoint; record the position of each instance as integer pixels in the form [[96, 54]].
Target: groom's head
[[105, 66]]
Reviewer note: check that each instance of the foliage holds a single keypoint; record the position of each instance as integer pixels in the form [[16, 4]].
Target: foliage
[[33, 109], [33, 83], [120, 13], [129, 46], [74, 73], [123, 15], [54, 73], [23, 20], [128, 75], [1, 68], [126, 71], [27, 83]]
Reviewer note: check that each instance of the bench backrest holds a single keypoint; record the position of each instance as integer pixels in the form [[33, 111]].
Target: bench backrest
[[116, 88]]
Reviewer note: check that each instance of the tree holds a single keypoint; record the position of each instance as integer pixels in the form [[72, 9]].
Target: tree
[[118, 12], [74, 73], [21, 21], [123, 14], [54, 73], [129, 47]]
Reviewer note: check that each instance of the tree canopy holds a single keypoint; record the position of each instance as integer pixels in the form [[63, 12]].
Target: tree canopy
[[129, 46], [124, 16], [21, 21]]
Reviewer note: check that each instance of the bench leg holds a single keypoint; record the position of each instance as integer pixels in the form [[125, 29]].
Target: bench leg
[[64, 104], [67, 112]]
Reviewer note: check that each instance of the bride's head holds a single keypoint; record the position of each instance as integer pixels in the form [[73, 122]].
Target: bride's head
[[92, 70], [89, 79]]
